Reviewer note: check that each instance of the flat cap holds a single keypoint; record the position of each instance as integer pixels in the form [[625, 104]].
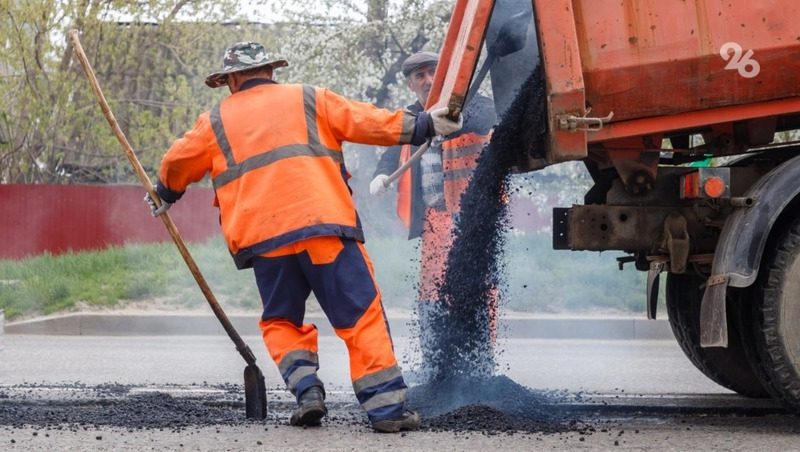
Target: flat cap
[[418, 60]]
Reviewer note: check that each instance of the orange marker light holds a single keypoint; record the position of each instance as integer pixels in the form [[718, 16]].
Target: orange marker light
[[714, 187]]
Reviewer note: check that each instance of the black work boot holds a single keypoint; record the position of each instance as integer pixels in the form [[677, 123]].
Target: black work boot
[[310, 408], [409, 420]]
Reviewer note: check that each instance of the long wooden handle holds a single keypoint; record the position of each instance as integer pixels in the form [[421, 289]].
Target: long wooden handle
[[455, 105], [414, 157], [434, 141], [243, 349]]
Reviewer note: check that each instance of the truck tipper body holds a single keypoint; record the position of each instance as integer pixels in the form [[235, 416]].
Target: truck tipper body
[[685, 114]]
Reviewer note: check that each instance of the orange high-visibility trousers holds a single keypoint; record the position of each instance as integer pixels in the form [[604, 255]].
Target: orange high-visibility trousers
[[341, 276]]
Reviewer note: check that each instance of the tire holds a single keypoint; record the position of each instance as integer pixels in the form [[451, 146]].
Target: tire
[[728, 367], [773, 339]]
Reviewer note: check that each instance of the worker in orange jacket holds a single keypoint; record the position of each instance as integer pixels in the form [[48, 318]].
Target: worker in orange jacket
[[274, 154], [429, 193]]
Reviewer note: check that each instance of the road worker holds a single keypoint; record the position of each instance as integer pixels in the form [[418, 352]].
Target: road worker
[[274, 154], [429, 193]]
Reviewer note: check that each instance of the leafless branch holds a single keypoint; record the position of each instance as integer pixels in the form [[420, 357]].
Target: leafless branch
[[175, 10], [185, 70]]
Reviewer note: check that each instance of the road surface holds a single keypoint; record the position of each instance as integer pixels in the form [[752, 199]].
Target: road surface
[[183, 393]]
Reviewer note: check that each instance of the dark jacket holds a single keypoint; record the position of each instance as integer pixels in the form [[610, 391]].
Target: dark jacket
[[479, 117]]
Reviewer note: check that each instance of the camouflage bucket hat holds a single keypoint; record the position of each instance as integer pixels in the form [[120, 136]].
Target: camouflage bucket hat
[[241, 57]]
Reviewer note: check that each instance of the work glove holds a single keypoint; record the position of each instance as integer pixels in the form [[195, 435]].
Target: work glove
[[378, 186], [443, 125], [156, 210]]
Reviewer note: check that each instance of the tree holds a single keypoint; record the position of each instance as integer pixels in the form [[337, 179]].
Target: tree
[[146, 63], [358, 51], [151, 63]]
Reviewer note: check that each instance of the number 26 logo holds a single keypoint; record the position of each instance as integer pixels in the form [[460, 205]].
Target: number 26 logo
[[744, 64]]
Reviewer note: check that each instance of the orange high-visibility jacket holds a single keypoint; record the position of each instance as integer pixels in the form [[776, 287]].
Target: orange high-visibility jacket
[[459, 158], [460, 152], [274, 153]]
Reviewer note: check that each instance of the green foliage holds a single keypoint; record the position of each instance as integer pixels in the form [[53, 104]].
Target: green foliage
[[53, 123], [373, 42], [151, 59], [543, 280], [47, 284], [539, 279]]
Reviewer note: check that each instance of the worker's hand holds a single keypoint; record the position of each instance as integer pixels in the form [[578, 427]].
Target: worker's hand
[[443, 125], [378, 186], [156, 210]]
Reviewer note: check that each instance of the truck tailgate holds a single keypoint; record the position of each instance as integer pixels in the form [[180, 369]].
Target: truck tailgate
[[661, 60]]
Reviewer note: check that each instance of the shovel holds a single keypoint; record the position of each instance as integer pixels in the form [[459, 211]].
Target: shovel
[[255, 390]]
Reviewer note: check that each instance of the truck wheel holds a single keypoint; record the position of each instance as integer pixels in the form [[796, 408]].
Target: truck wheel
[[729, 366], [774, 336]]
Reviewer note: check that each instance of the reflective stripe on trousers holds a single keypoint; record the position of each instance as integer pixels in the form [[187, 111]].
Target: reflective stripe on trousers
[[341, 276], [382, 394], [299, 370]]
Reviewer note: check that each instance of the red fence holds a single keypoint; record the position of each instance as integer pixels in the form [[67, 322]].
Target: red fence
[[59, 218]]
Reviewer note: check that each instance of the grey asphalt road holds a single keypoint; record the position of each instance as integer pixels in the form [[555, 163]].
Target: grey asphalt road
[[638, 395], [573, 365]]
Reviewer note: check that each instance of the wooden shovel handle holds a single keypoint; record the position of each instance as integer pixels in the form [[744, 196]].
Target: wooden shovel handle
[[243, 349], [454, 106], [414, 157]]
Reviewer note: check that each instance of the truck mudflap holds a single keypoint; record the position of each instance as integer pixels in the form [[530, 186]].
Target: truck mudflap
[[741, 245]]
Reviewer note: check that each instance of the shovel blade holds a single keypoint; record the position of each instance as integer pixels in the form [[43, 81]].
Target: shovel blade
[[255, 393]]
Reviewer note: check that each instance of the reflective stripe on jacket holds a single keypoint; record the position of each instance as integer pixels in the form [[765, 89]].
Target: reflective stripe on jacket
[[460, 152], [459, 159], [275, 157]]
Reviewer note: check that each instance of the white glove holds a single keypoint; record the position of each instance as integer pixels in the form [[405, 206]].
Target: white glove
[[443, 125], [155, 210], [378, 186]]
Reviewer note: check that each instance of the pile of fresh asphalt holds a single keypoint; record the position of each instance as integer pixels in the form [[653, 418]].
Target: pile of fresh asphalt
[[501, 406], [491, 404], [76, 406], [461, 389]]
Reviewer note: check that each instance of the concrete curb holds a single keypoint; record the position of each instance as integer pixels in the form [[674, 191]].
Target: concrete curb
[[247, 325]]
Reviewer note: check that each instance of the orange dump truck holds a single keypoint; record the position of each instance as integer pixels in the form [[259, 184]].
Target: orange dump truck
[[685, 113]]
